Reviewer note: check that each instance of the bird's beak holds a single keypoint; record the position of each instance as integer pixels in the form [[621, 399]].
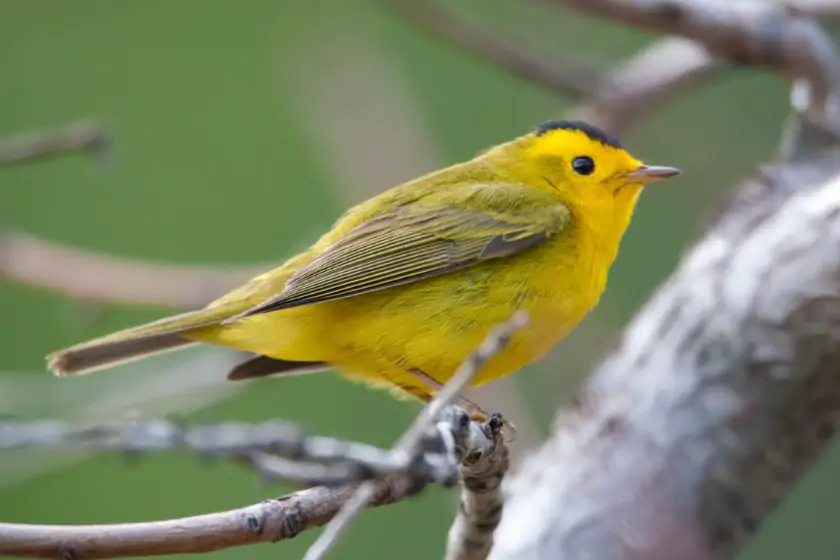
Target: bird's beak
[[651, 173]]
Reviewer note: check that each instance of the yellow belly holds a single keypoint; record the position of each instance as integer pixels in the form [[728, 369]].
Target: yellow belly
[[434, 324]]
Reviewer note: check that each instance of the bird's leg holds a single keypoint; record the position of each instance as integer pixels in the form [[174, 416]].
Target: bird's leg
[[474, 410]]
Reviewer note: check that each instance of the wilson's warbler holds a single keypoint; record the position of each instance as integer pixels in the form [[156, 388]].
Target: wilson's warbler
[[408, 283]]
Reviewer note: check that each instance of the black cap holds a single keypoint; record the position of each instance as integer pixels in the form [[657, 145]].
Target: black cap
[[592, 131]]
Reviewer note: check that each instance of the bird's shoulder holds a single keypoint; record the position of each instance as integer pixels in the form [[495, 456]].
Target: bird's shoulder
[[470, 187]]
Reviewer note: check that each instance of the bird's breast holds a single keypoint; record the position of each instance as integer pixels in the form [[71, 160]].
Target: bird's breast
[[434, 324]]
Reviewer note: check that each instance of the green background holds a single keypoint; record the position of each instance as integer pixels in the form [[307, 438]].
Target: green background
[[242, 130]]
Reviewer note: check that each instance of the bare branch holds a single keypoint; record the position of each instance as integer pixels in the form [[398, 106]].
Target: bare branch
[[95, 277], [308, 459], [613, 99], [495, 341], [566, 76], [394, 476], [85, 136], [646, 81], [761, 34], [266, 522], [471, 535]]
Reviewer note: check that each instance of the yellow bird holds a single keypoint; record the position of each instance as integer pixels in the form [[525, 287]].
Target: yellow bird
[[408, 283]]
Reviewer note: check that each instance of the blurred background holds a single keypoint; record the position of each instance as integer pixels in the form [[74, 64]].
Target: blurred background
[[242, 130]]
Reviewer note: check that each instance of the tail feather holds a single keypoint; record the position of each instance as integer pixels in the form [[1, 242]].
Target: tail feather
[[263, 366], [95, 357], [159, 336]]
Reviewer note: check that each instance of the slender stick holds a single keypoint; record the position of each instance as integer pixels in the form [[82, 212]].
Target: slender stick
[[266, 522], [563, 76], [471, 534]]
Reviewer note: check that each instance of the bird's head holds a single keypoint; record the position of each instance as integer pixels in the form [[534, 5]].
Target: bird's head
[[583, 166]]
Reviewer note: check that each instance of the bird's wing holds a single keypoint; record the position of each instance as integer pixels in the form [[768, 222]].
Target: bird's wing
[[423, 239]]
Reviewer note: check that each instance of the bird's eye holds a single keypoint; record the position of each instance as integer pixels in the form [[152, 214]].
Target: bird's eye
[[583, 165]]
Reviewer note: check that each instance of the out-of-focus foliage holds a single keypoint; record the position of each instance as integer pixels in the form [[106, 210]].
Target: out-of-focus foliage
[[242, 129]]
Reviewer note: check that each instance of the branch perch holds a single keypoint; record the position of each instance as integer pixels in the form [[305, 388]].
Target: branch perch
[[482, 472], [393, 478], [266, 522]]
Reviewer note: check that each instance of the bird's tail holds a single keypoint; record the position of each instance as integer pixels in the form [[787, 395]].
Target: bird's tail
[[131, 344]]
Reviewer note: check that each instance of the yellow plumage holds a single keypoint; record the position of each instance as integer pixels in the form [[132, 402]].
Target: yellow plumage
[[406, 284]]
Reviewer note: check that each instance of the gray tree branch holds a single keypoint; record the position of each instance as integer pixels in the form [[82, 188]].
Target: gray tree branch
[[390, 476], [646, 81], [482, 472], [266, 522], [724, 389], [276, 450]]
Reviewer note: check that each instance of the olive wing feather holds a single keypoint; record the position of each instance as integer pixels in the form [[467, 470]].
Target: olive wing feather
[[414, 242]]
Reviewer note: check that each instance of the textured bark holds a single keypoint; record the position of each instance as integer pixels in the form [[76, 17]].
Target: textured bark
[[722, 392], [268, 521]]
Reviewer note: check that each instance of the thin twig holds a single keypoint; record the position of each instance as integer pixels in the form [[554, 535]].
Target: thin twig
[[84, 136], [266, 522], [308, 459], [493, 343], [471, 534], [565, 76], [646, 81]]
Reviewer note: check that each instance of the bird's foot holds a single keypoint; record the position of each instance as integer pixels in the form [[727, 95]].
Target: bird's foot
[[493, 423]]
